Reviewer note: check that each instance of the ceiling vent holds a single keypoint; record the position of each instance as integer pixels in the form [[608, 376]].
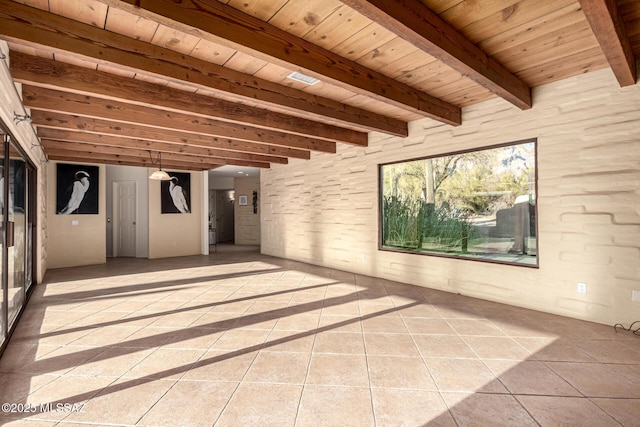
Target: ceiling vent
[[299, 77]]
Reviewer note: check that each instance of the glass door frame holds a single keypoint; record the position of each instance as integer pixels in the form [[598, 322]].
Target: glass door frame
[[4, 311], [31, 185]]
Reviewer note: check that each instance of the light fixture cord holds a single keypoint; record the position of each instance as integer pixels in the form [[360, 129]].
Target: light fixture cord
[[158, 160]]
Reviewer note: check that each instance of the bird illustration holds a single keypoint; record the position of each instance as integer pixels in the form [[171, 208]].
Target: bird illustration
[[178, 195], [80, 187]]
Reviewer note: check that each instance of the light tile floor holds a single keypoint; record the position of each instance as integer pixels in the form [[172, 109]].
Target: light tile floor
[[241, 339]]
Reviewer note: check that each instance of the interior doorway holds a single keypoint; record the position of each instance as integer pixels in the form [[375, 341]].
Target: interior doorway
[[124, 218], [221, 216]]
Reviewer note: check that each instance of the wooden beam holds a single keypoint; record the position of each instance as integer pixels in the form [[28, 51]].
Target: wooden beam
[[155, 146], [610, 31], [168, 158], [70, 157], [23, 23], [126, 150], [43, 119], [81, 105], [121, 152], [42, 72], [226, 25], [239, 147], [114, 159], [414, 22]]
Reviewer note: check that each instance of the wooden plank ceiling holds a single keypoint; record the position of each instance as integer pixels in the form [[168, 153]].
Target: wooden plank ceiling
[[206, 82]]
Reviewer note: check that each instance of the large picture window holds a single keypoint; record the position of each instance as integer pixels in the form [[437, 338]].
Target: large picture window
[[477, 205]]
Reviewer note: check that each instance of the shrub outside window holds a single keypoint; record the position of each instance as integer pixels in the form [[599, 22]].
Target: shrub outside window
[[478, 205]]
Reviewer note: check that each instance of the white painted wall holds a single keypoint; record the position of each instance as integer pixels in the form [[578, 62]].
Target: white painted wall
[[220, 183], [325, 210]]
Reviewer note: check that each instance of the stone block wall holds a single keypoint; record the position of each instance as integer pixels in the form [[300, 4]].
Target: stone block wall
[[325, 211], [247, 222]]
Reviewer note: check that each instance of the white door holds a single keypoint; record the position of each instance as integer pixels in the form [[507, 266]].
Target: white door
[[125, 218]]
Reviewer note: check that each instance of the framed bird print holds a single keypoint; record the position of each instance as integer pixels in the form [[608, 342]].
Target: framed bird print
[[175, 194], [77, 189]]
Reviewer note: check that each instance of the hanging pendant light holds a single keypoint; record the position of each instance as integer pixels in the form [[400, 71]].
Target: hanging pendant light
[[159, 175]]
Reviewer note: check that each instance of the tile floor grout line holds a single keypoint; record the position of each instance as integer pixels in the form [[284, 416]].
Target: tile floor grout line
[[388, 287], [306, 375], [241, 380], [497, 378], [155, 403], [429, 371], [366, 358]]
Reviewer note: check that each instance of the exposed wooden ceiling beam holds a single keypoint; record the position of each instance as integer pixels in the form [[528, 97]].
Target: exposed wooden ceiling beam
[[48, 73], [43, 119], [27, 24], [192, 149], [155, 146], [414, 22], [70, 157], [610, 31], [43, 99], [167, 157], [115, 159], [228, 26]]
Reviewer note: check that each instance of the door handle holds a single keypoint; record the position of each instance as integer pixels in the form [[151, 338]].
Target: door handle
[[10, 234]]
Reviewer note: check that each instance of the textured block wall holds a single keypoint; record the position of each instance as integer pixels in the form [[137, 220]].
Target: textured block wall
[[325, 211], [247, 223]]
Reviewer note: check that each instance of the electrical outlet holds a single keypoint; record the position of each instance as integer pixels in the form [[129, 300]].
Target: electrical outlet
[[582, 288], [635, 295]]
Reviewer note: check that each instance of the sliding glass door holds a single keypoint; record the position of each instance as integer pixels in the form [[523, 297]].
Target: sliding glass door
[[3, 291], [16, 234], [17, 225]]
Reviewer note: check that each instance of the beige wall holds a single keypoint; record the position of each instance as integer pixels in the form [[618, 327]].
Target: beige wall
[[70, 245], [325, 211], [247, 223], [173, 235]]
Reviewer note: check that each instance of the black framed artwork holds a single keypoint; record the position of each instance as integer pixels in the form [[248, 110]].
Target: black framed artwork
[[77, 189], [175, 194]]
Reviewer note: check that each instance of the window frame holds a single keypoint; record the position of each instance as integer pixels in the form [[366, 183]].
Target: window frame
[[462, 257]]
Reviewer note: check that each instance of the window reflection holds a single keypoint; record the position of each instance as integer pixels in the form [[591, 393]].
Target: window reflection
[[479, 205], [16, 231]]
